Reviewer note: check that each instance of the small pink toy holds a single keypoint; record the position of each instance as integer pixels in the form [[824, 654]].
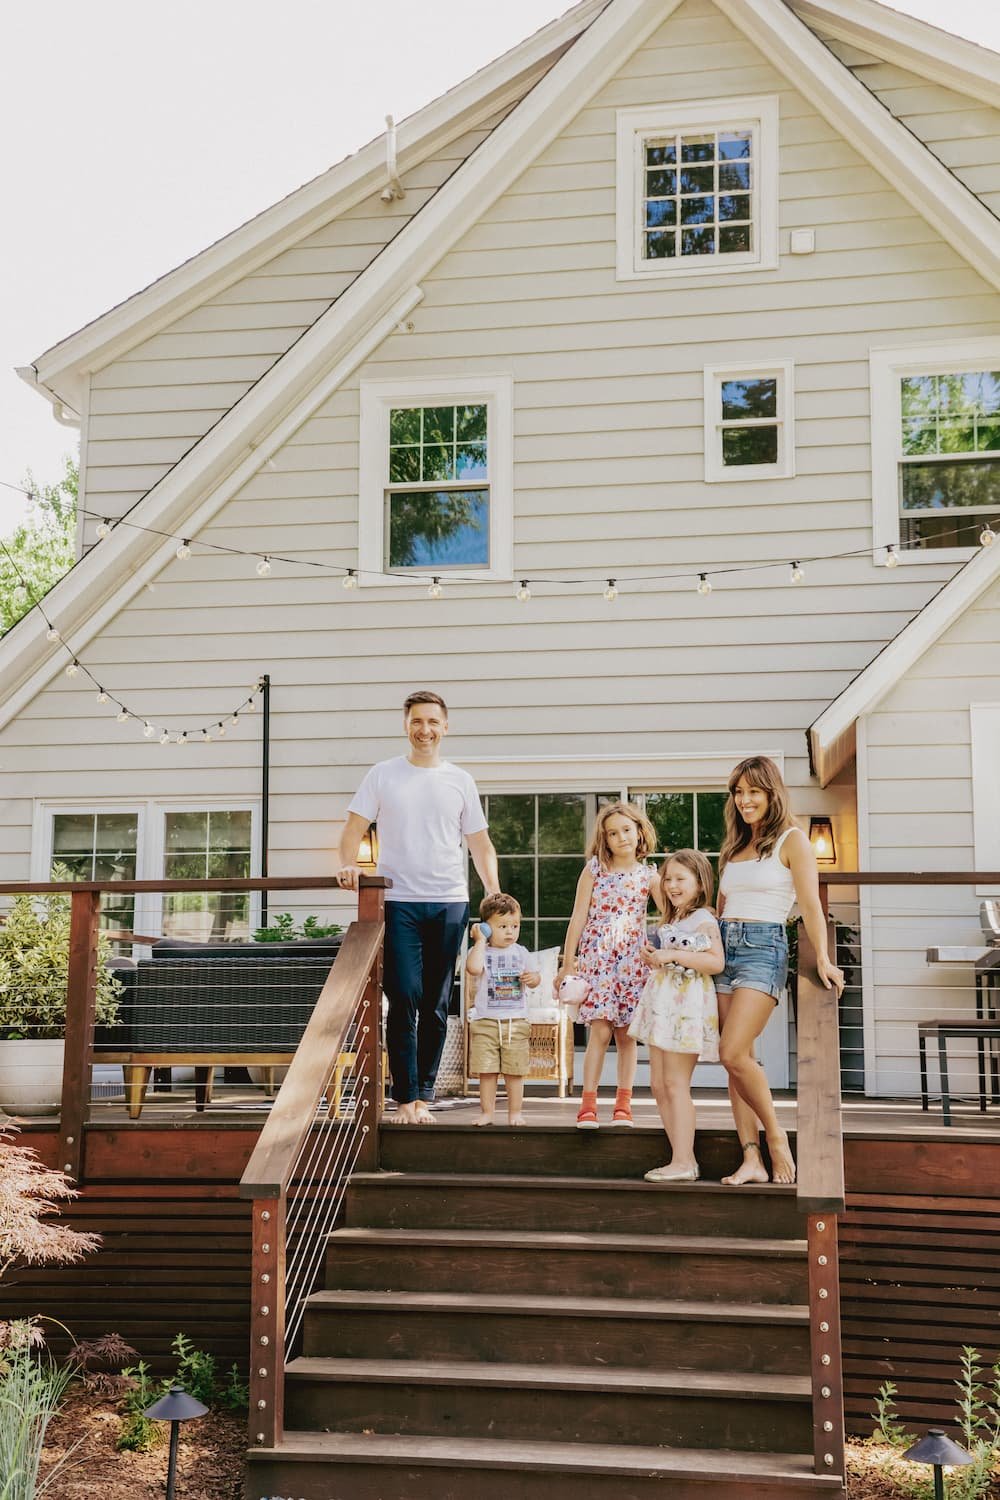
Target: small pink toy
[[572, 992]]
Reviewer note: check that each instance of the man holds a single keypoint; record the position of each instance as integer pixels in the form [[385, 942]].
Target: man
[[424, 806]]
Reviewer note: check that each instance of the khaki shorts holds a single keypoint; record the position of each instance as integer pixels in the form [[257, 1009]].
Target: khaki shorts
[[499, 1047]]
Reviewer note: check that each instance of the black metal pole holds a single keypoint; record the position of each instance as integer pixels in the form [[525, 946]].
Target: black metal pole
[[172, 1460], [265, 788]]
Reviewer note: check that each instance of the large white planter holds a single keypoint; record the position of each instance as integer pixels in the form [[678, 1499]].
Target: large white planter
[[31, 1075]]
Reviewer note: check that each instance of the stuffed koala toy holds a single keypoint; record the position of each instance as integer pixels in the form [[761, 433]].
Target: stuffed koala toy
[[673, 940]]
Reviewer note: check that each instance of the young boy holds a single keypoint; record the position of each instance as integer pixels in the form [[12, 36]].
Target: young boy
[[497, 975]]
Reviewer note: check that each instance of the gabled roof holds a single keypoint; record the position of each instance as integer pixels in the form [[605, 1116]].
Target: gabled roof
[[832, 737], [58, 373], [211, 472]]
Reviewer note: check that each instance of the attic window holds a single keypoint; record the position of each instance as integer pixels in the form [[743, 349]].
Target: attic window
[[697, 188], [749, 417]]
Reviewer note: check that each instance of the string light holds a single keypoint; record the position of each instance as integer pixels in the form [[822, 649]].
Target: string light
[[524, 592], [435, 591], [206, 737], [164, 736], [102, 696], [123, 715], [184, 550], [235, 719], [611, 591], [73, 668], [349, 580], [796, 574], [263, 567], [221, 729], [148, 730], [52, 634], [891, 559], [104, 528], [987, 536], [182, 738], [704, 587]]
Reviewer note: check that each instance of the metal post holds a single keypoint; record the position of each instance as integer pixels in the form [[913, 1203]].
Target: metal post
[[265, 785], [175, 1428]]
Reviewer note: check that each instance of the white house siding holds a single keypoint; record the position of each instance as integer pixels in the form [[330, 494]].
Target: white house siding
[[608, 464], [962, 132], [915, 761], [153, 404]]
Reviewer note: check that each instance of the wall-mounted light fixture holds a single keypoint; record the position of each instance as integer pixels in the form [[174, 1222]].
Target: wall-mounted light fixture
[[368, 850], [821, 838]]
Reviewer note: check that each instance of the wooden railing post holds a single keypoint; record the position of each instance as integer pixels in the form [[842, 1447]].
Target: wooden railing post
[[824, 1335], [267, 1323], [81, 1005], [371, 909]]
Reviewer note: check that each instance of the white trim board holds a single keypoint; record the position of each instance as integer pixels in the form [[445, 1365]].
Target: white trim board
[[678, 770], [831, 737]]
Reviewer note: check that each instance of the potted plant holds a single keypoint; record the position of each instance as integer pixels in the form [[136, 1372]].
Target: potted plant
[[34, 960]]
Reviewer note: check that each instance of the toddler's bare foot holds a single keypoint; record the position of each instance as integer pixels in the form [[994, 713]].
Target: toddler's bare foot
[[752, 1170], [782, 1165], [518, 1119], [483, 1119]]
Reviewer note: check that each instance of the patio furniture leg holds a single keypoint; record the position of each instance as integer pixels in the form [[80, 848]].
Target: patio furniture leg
[[945, 1090], [922, 1044], [203, 1080], [981, 1061], [136, 1079]]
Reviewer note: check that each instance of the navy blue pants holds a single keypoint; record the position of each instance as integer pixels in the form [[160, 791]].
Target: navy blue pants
[[422, 939]]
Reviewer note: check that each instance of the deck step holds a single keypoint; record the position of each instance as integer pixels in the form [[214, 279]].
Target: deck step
[[405, 1200], [707, 1267], [602, 1331], [355, 1466]]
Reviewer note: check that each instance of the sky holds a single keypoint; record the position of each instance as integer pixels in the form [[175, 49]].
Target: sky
[[138, 133]]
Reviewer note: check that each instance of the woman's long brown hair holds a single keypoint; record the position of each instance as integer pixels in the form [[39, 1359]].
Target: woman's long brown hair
[[761, 772]]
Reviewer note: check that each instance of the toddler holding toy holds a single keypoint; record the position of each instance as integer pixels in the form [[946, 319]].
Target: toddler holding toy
[[497, 972], [678, 1014], [608, 926]]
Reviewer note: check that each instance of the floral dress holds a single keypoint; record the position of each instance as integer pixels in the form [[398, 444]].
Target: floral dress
[[678, 1012], [608, 956]]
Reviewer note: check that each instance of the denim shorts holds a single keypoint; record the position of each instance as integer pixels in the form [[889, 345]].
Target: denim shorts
[[756, 958]]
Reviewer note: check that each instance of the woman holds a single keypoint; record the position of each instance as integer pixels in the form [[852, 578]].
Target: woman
[[766, 864]]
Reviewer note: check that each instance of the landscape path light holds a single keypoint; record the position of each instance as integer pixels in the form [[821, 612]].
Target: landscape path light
[[175, 1407], [937, 1449]]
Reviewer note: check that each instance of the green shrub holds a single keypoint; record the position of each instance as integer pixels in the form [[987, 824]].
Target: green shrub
[[31, 1388], [282, 929], [137, 1433], [34, 960]]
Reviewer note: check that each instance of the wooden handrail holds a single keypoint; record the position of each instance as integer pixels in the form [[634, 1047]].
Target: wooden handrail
[[174, 887], [909, 877], [820, 1173], [269, 1170]]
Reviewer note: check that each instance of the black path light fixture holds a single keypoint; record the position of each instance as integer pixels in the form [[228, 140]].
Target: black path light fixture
[[939, 1450], [175, 1407]]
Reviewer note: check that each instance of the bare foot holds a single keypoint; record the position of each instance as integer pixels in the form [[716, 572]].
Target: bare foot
[[782, 1165], [424, 1116], [406, 1114], [517, 1119], [483, 1119], [752, 1170]]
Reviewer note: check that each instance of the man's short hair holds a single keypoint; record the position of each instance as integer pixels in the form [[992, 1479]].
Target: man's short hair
[[498, 906], [424, 696]]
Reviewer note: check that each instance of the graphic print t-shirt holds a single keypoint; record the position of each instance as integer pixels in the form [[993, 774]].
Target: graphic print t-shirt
[[501, 993]]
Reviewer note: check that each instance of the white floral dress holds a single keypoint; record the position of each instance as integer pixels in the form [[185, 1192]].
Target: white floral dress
[[608, 956], [679, 1013]]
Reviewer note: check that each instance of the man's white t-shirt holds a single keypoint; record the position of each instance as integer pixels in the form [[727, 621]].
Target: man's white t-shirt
[[423, 813]]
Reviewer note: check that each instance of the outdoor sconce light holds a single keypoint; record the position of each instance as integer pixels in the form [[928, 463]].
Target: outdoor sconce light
[[821, 838], [176, 1407], [368, 850], [937, 1449]]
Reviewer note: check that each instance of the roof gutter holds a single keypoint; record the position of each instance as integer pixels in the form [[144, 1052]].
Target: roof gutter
[[64, 415]]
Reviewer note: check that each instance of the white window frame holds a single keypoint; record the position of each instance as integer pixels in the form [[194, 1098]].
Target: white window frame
[[781, 370], [378, 398], [150, 842], [634, 127], [887, 367]]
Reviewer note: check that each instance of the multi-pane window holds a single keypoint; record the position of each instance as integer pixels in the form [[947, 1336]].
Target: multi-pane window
[[207, 845], [438, 496], [99, 846], [949, 463], [748, 422], [697, 194]]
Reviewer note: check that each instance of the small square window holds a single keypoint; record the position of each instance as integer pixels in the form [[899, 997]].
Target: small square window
[[749, 423]]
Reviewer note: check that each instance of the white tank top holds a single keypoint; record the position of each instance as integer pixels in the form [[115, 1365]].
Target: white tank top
[[758, 890]]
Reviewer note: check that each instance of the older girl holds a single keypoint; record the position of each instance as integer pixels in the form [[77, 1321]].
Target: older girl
[[767, 865], [608, 926]]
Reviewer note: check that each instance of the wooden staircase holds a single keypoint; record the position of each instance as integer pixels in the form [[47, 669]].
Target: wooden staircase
[[516, 1313]]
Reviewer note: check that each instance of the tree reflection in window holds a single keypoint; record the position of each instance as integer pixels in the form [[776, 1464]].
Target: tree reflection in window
[[438, 497]]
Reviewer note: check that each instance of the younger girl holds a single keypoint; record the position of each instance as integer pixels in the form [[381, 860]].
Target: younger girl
[[609, 927], [677, 1014]]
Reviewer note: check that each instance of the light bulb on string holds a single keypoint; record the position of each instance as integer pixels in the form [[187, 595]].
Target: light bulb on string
[[796, 574], [73, 668], [184, 550], [349, 580], [221, 729], [102, 696], [123, 716], [611, 591], [263, 567], [987, 536], [148, 730], [52, 634], [104, 528], [182, 738], [165, 737], [249, 705], [891, 557], [206, 737], [435, 591], [704, 587], [524, 592], [235, 719]]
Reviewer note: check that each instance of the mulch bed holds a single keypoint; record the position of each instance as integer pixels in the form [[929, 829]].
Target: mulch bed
[[212, 1450]]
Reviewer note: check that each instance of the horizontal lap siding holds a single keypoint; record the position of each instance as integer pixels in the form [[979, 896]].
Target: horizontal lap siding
[[152, 405], [919, 770]]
